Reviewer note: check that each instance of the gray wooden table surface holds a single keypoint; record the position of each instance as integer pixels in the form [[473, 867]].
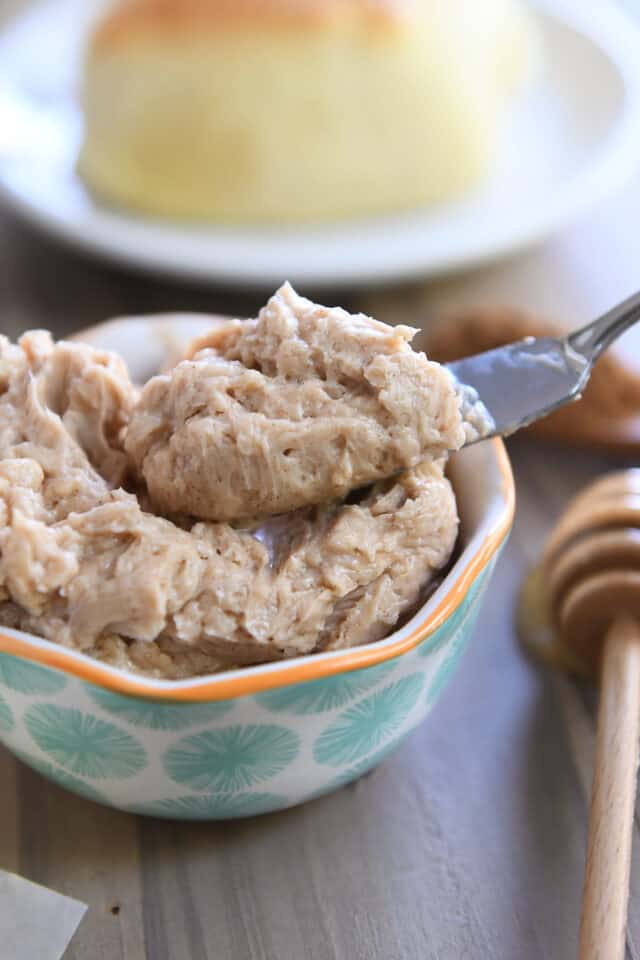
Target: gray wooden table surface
[[469, 841]]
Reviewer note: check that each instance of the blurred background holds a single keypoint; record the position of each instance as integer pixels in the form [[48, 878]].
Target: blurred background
[[584, 261]]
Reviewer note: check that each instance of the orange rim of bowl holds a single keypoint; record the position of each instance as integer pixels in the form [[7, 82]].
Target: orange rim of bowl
[[246, 681]]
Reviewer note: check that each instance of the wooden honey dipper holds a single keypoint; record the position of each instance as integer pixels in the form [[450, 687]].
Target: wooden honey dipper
[[589, 583]]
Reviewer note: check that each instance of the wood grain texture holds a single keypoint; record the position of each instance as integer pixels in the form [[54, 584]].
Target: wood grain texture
[[469, 842], [606, 886]]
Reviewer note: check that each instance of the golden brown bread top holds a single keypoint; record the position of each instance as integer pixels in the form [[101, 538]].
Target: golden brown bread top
[[162, 16]]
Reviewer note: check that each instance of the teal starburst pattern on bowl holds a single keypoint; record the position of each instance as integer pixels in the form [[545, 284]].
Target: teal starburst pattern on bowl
[[60, 777], [357, 770], [450, 662], [155, 715], [6, 717], [232, 758], [215, 806], [318, 696], [367, 764], [29, 678], [369, 723], [471, 603], [84, 744]]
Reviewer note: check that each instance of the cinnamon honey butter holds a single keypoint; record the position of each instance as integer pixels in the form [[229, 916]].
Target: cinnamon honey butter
[[234, 510]]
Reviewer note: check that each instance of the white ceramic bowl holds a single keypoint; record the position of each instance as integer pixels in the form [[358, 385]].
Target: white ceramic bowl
[[571, 142], [261, 738]]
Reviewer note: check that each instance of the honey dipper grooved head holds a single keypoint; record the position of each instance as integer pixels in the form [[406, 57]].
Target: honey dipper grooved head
[[591, 566]]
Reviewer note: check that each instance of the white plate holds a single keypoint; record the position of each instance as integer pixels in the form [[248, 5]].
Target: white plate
[[574, 140]]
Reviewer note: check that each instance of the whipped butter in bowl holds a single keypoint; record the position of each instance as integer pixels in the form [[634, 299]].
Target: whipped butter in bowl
[[222, 553]]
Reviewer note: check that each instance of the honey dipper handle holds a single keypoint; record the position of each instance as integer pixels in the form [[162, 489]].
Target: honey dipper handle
[[606, 885]]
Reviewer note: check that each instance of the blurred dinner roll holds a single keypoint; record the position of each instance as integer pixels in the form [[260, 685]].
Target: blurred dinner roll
[[298, 110]]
